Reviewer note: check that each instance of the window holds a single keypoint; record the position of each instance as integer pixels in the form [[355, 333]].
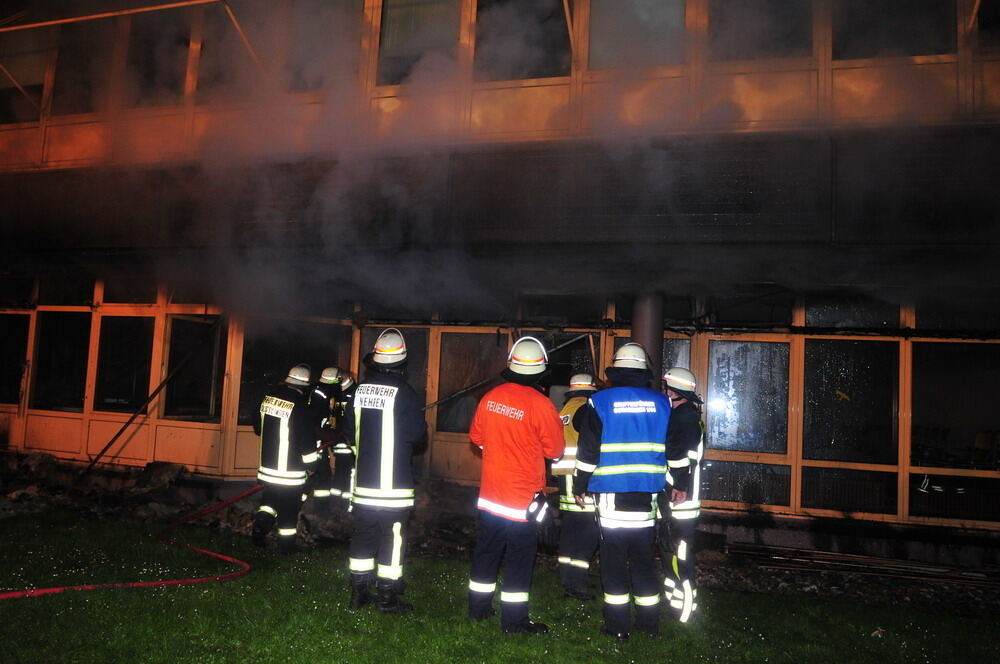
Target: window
[[753, 29], [411, 31], [849, 490], [850, 312], [677, 309], [83, 66], [850, 400], [951, 497], [325, 43], [955, 420], [129, 286], [157, 58], [123, 361], [467, 359], [751, 483], [16, 292], [60, 369], [765, 308], [13, 349], [636, 33], [747, 397], [24, 54], [880, 28], [958, 314], [272, 347], [225, 66], [196, 365], [989, 25], [66, 288], [562, 308], [416, 355], [521, 39]]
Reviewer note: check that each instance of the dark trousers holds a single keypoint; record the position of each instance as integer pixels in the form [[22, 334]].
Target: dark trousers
[[321, 480], [678, 556], [579, 536], [343, 472], [627, 565], [515, 543], [379, 536], [279, 506]]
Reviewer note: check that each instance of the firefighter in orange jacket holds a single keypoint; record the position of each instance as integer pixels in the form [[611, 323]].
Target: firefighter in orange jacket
[[517, 428]]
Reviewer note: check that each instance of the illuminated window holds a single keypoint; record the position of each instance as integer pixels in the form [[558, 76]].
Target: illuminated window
[[747, 398], [880, 28], [324, 44], [24, 54], [123, 361], [157, 58], [60, 369], [13, 347], [521, 39], [636, 33], [412, 31], [755, 29], [466, 360], [197, 360], [83, 66]]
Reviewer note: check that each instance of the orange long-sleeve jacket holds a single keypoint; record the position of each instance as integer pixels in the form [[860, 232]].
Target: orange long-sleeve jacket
[[517, 428]]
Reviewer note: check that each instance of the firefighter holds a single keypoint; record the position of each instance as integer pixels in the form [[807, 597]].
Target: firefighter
[[579, 535], [621, 461], [322, 402], [517, 428], [385, 424], [287, 453], [680, 503], [343, 450]]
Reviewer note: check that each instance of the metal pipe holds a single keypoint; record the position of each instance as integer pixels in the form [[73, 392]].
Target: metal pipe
[[113, 14], [17, 85], [569, 28], [242, 34], [973, 15]]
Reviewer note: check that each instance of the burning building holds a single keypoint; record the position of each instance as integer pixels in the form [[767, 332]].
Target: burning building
[[795, 198]]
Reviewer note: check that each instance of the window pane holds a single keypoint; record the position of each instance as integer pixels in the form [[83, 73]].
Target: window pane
[[521, 39], [879, 28], [416, 355], [753, 483], [748, 396], [762, 309], [955, 420], [25, 54], [750, 29], [225, 68], [579, 309], [16, 292], [198, 354], [957, 316], [411, 31], [989, 26], [157, 58], [466, 360], [61, 360], [850, 312], [850, 400], [123, 361], [325, 43], [849, 490], [636, 33], [83, 66], [129, 287], [66, 288], [948, 497], [272, 347], [13, 348]]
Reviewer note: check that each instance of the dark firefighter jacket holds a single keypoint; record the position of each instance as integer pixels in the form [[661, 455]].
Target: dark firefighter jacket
[[385, 423], [683, 445], [287, 442]]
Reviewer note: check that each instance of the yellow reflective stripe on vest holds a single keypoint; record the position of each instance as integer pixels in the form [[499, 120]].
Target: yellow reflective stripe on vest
[[633, 447], [630, 468]]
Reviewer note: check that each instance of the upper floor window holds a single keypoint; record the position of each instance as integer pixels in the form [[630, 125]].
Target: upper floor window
[[413, 30], [756, 29], [521, 39], [83, 66], [157, 58], [880, 28], [225, 66], [324, 43], [24, 55], [989, 25], [636, 33]]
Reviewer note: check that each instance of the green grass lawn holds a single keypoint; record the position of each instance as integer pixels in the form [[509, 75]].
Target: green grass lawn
[[294, 609]]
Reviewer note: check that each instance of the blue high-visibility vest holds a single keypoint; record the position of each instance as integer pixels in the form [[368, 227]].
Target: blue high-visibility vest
[[633, 442]]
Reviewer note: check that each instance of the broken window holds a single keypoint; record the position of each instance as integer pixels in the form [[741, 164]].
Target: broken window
[[849, 490], [957, 426], [123, 361], [636, 33], [60, 370], [954, 497], [13, 349], [756, 29], [24, 54], [157, 58], [747, 398], [196, 365], [854, 311], [851, 391], [886, 28], [751, 483], [83, 66], [466, 359], [518, 39], [225, 67], [416, 355], [324, 44], [272, 347], [412, 31]]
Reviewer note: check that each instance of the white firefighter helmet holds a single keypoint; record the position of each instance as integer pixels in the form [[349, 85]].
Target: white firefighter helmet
[[683, 382], [582, 382], [330, 376], [298, 375], [390, 347], [631, 356], [527, 357]]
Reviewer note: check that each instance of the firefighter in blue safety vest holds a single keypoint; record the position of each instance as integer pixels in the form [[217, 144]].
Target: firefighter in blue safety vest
[[323, 402], [517, 428], [680, 503], [621, 461], [385, 423], [287, 453], [343, 450], [578, 534]]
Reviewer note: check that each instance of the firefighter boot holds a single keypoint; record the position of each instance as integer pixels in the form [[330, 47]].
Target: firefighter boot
[[389, 598], [360, 597], [262, 523]]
